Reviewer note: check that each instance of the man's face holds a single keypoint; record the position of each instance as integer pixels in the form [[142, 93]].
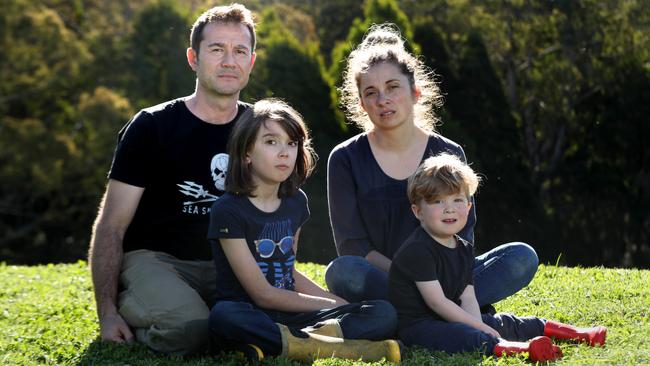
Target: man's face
[[225, 59]]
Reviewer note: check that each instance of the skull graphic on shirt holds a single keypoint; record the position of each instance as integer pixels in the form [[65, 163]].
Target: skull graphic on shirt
[[218, 166]]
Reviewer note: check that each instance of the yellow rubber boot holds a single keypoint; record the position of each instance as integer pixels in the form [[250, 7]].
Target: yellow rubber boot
[[250, 353], [329, 327], [319, 346]]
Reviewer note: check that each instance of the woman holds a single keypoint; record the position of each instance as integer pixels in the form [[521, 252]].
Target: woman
[[390, 94]]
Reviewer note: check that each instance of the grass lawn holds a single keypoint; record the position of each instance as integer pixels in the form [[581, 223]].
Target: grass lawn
[[47, 316]]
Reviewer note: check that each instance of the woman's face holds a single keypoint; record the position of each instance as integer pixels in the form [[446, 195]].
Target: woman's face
[[387, 96]]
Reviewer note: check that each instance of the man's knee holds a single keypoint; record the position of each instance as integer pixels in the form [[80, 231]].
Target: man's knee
[[166, 313], [182, 330], [181, 338]]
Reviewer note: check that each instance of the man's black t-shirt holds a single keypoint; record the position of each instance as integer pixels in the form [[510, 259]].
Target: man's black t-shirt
[[422, 259], [235, 217], [181, 162]]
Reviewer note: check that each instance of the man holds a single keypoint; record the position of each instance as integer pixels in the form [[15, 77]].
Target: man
[[149, 239]]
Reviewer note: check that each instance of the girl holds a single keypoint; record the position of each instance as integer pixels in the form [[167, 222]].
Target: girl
[[390, 95], [254, 228]]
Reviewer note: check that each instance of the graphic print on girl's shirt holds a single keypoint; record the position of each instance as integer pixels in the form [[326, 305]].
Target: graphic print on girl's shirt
[[274, 253]]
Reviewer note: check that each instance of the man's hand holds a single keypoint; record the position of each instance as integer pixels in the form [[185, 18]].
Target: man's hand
[[113, 328]]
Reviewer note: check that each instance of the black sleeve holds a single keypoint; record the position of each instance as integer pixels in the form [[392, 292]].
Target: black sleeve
[[135, 160], [348, 228]]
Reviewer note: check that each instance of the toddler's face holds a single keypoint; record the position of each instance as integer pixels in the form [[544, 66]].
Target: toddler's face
[[443, 217]]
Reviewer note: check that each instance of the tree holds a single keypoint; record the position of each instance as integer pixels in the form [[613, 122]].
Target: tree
[[487, 132], [558, 65], [106, 27], [332, 19], [375, 12], [41, 72], [159, 69], [548, 99]]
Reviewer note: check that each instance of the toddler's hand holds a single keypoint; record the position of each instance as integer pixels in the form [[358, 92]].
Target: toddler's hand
[[489, 330]]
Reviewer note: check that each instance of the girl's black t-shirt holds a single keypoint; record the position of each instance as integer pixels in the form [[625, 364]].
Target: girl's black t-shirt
[[235, 217]]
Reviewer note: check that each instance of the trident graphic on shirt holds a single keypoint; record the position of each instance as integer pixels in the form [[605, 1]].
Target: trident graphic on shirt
[[196, 191], [218, 167]]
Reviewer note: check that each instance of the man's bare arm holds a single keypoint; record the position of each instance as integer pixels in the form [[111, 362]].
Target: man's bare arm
[[105, 256]]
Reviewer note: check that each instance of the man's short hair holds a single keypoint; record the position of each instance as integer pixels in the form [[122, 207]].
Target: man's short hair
[[440, 175], [233, 13]]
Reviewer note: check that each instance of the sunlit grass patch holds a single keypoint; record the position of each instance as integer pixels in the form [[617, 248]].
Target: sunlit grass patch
[[47, 316]]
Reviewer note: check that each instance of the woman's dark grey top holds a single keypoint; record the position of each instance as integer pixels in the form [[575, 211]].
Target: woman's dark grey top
[[370, 210]]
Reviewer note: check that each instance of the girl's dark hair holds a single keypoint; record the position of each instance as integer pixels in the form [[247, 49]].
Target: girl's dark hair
[[238, 178]]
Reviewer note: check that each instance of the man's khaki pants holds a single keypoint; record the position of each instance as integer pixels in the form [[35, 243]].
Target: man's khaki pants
[[167, 301]]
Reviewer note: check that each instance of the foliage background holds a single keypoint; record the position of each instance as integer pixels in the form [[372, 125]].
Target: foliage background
[[548, 98]]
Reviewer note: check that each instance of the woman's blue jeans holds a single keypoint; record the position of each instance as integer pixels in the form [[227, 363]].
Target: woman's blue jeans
[[498, 274], [233, 323]]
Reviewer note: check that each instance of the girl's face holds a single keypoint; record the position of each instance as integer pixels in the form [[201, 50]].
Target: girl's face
[[386, 95], [273, 156]]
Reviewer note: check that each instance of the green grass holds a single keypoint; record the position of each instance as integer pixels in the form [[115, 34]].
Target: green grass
[[47, 316]]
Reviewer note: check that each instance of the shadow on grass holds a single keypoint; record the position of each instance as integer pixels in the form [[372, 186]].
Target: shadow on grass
[[108, 353], [136, 354]]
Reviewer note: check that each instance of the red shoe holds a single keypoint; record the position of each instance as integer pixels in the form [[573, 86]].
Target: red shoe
[[542, 349], [594, 336], [539, 349]]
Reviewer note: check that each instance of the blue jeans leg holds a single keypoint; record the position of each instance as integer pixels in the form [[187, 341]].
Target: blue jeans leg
[[439, 335], [498, 274], [355, 279], [372, 320], [503, 271], [515, 328], [233, 323]]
